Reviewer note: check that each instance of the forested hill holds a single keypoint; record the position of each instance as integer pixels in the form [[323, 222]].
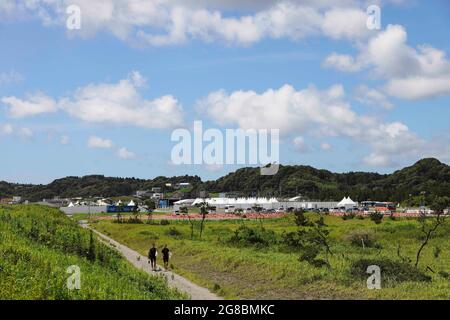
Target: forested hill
[[427, 175]]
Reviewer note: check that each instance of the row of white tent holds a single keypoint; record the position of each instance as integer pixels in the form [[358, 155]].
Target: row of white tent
[[235, 201], [102, 203]]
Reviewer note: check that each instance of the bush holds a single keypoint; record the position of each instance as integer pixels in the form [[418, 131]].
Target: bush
[[362, 238], [348, 216], [390, 270], [164, 222], [173, 232], [310, 254], [291, 240], [376, 217], [253, 237]]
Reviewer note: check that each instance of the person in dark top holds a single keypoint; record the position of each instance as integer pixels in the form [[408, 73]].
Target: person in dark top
[[166, 255], [152, 253]]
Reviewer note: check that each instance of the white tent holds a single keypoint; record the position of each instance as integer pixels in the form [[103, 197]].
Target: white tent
[[71, 205], [235, 201], [119, 203], [131, 204], [185, 202], [347, 203]]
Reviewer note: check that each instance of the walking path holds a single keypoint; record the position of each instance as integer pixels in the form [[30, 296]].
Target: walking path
[[174, 280]]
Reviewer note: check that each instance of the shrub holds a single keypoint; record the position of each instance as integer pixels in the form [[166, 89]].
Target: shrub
[[247, 236], [361, 238], [390, 270], [348, 216], [164, 222], [310, 254], [291, 239], [173, 232], [376, 217]]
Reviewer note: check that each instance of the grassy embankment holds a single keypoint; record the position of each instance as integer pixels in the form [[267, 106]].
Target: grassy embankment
[[38, 244], [273, 270]]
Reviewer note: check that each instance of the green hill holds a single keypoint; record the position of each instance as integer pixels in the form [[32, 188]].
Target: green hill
[[429, 175], [38, 244]]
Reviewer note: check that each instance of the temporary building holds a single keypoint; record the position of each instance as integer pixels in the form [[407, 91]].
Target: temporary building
[[131, 204], [347, 203]]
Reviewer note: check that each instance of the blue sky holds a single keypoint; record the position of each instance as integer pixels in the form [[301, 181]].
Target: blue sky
[[345, 98]]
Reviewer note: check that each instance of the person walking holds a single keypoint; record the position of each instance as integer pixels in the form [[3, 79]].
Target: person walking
[[166, 255], [152, 253]]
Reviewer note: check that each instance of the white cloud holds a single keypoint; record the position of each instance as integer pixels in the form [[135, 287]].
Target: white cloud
[[411, 73], [416, 88], [121, 103], [284, 108], [342, 62], [348, 23], [300, 144], [124, 153], [34, 105], [112, 103], [97, 142], [169, 22], [372, 97], [314, 112]]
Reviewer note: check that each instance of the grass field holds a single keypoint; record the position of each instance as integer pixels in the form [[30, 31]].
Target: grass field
[[274, 272], [38, 244]]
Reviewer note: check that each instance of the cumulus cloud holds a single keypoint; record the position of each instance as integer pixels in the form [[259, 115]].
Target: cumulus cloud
[[321, 113], [300, 144], [172, 22], [16, 131], [33, 105], [113, 103], [126, 154], [100, 143], [411, 73], [121, 103], [372, 97]]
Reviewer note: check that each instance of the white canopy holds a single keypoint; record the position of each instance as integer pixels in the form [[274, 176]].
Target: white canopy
[[131, 204], [71, 205], [185, 201], [346, 202], [235, 201]]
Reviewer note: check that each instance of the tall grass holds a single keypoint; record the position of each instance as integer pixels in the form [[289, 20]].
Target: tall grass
[[38, 244], [274, 271]]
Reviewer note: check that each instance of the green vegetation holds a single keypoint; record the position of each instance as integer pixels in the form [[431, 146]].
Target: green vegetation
[[242, 259], [38, 244], [411, 186]]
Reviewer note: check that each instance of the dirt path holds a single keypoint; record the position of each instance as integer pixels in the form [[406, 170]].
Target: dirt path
[[174, 280]]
